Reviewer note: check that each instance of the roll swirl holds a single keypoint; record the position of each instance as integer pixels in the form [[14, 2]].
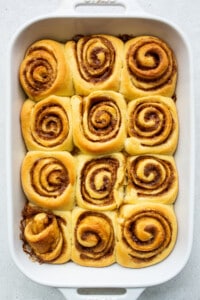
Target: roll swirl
[[46, 235], [146, 234], [152, 126], [151, 178], [48, 179], [149, 68], [45, 71], [47, 124], [93, 239], [96, 62], [99, 122], [100, 181]]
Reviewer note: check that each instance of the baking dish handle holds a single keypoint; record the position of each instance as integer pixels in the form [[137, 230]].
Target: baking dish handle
[[97, 7], [101, 294]]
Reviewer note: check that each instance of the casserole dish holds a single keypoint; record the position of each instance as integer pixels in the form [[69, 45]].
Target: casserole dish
[[66, 23]]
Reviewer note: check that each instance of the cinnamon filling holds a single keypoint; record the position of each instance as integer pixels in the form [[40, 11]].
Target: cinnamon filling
[[50, 125], [151, 64], [147, 234], [98, 188], [42, 234], [94, 235], [95, 58], [49, 177], [40, 69], [156, 179], [104, 120]]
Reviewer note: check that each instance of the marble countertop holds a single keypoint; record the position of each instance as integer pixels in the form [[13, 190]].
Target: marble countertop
[[13, 284]]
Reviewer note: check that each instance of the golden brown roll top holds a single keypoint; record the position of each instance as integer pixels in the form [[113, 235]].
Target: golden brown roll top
[[48, 179], [100, 181], [146, 234], [149, 68], [45, 70], [121, 125], [47, 124], [96, 62], [142, 66], [151, 178], [153, 126], [46, 235], [99, 122], [93, 237]]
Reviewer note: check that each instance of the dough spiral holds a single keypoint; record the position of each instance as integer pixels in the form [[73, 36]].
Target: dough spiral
[[149, 68], [96, 62], [99, 122], [48, 179], [100, 181], [152, 126], [46, 235], [47, 124], [146, 234], [151, 178], [45, 71], [93, 238]]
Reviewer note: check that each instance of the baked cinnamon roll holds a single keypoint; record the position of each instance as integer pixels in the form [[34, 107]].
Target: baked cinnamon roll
[[150, 68], [45, 70], [100, 181], [99, 122], [152, 126], [146, 234], [48, 179], [46, 235], [93, 237], [151, 178], [96, 62], [47, 124]]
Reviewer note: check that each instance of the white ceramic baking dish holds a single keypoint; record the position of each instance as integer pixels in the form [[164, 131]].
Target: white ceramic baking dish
[[88, 17]]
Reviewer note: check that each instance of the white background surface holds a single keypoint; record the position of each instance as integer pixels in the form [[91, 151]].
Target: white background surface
[[13, 284]]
